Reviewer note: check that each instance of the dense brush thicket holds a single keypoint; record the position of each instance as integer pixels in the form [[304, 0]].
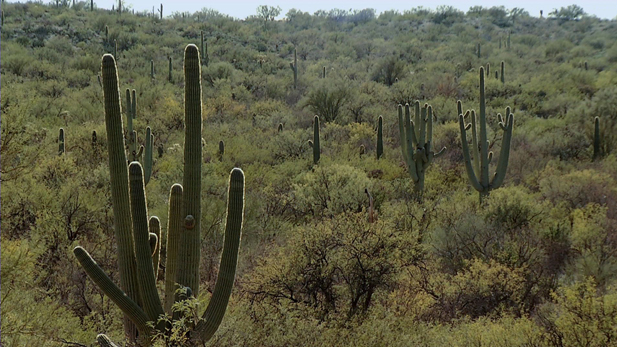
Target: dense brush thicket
[[337, 248]]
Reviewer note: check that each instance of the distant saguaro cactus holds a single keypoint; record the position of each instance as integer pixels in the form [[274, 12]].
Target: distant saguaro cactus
[[61, 143], [379, 137], [294, 68]]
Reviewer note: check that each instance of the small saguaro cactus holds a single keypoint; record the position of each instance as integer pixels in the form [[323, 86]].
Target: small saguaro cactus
[[496, 75], [315, 143], [488, 68], [280, 127], [417, 142], [138, 236], [161, 11], [586, 65], [379, 137], [478, 50], [477, 158], [221, 149], [503, 72], [294, 68], [324, 72], [61, 144], [204, 51], [170, 63]]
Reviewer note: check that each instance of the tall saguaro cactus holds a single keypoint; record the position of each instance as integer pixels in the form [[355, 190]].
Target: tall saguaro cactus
[[478, 158], [597, 152], [294, 68], [503, 72], [416, 143], [138, 237]]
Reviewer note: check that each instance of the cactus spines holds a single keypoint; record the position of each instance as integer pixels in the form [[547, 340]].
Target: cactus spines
[[294, 68], [597, 152], [170, 78], [221, 149], [61, 144], [503, 72], [379, 137], [416, 143], [316, 149], [477, 158]]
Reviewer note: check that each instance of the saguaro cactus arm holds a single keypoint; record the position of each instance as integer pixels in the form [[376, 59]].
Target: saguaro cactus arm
[[468, 164], [504, 154], [98, 276], [224, 283], [174, 229]]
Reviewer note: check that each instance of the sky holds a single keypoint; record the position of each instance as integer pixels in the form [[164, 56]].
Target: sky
[[605, 9]]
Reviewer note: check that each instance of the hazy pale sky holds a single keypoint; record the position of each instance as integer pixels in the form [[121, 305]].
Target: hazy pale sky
[[606, 9]]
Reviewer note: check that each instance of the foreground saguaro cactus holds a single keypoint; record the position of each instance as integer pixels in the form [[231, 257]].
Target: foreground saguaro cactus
[[416, 143], [138, 237], [478, 158]]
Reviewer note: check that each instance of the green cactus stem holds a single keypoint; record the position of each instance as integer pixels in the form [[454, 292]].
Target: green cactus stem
[[94, 139], [155, 229], [294, 68], [174, 228], [488, 68], [478, 157], [478, 50], [170, 77], [148, 155], [61, 143], [324, 72], [503, 72], [416, 143], [188, 267], [315, 144], [161, 11], [496, 75], [379, 137], [586, 66], [204, 50]]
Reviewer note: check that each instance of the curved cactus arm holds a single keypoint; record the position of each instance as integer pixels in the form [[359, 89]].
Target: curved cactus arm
[[421, 124], [107, 286], [174, 228], [438, 154], [104, 341], [188, 261], [153, 240], [155, 228], [119, 177], [410, 129], [143, 253], [459, 108], [504, 154], [417, 123], [213, 316], [468, 165]]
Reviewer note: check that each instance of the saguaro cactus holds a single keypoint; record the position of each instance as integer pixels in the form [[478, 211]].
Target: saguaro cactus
[[137, 236], [61, 144], [597, 152], [315, 144], [478, 51], [294, 68], [161, 11], [478, 158], [170, 79], [221, 149], [379, 137], [503, 72], [204, 51], [416, 143]]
